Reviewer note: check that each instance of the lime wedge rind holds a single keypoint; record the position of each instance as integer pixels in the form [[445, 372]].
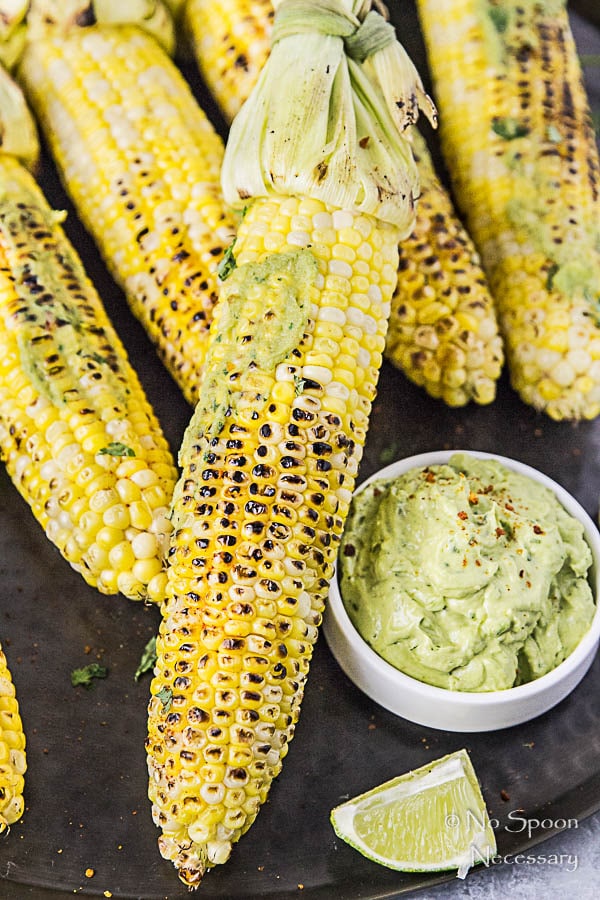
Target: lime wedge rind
[[428, 820]]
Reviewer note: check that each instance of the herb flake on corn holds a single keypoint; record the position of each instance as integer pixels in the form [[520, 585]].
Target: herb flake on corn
[[517, 135], [77, 434], [271, 454], [141, 161], [13, 760]]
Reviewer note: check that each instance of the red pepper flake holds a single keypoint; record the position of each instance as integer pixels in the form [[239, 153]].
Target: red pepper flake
[[464, 562], [473, 498], [509, 507], [537, 529], [477, 562], [500, 532], [429, 476], [505, 795], [463, 515], [528, 584]]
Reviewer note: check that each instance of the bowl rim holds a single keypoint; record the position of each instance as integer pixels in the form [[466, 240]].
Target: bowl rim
[[476, 699]]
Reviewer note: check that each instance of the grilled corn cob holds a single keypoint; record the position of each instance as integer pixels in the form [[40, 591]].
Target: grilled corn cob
[[271, 454], [13, 762], [443, 332], [141, 162], [77, 435], [519, 145], [230, 40]]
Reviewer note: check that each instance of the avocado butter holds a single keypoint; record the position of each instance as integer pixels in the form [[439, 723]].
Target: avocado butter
[[466, 575]]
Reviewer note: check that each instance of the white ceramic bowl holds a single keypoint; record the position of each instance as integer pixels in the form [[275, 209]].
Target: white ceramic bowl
[[460, 710]]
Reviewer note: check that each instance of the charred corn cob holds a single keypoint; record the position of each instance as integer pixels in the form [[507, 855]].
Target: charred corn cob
[[230, 40], [141, 162], [13, 762], [443, 331], [271, 454], [519, 145], [77, 434]]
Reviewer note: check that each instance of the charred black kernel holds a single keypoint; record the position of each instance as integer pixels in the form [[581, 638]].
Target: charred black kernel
[[215, 733], [290, 462], [293, 480], [242, 609], [195, 714], [227, 540], [323, 465], [263, 471], [254, 508], [231, 643], [302, 415], [173, 718], [265, 431], [262, 450], [187, 648], [279, 671], [270, 585], [234, 444], [250, 696], [254, 527], [284, 511]]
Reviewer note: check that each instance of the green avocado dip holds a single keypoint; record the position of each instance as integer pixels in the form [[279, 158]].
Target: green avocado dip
[[466, 575]]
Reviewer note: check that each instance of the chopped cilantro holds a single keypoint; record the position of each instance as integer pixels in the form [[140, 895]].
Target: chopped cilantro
[[550, 276], [508, 128], [86, 675], [228, 263], [165, 695], [388, 454], [499, 18], [147, 659], [116, 448]]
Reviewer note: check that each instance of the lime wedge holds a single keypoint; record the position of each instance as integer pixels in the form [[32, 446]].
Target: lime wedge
[[431, 819]]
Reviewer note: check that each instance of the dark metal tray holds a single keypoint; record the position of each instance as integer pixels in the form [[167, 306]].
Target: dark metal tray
[[86, 804]]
